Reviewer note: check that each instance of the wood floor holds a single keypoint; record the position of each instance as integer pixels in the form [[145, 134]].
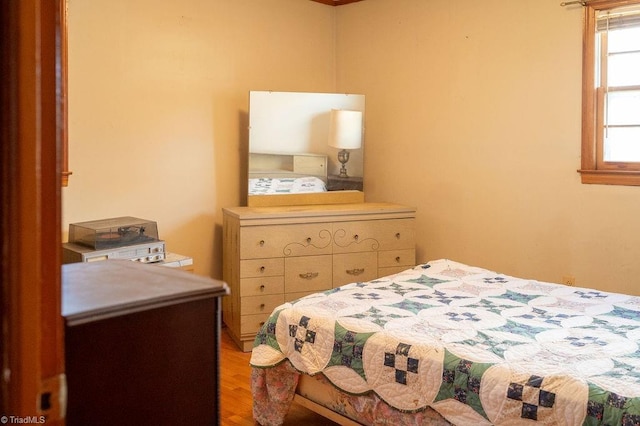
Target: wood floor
[[235, 389]]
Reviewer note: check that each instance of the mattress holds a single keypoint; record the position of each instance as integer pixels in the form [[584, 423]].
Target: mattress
[[476, 346], [287, 185]]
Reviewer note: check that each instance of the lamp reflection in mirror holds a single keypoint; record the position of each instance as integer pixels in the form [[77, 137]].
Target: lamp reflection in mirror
[[345, 132]]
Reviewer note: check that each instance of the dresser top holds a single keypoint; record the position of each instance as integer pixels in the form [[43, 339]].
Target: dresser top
[[322, 212], [107, 288]]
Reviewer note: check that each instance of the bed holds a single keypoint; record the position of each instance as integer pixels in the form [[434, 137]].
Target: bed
[[449, 343]]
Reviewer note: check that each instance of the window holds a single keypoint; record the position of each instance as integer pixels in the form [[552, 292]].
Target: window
[[611, 93]]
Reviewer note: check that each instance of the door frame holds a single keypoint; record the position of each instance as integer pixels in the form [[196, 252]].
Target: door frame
[[32, 380]]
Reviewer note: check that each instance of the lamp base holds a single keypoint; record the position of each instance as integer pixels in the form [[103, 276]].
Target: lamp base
[[343, 158]]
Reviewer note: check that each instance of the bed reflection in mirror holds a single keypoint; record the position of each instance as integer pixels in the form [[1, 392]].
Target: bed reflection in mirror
[[305, 148]]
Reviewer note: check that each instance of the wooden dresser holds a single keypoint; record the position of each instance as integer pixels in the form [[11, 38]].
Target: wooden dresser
[[274, 255], [141, 344]]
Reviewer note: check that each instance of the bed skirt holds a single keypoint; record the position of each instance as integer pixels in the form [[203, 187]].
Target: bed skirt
[[274, 389]]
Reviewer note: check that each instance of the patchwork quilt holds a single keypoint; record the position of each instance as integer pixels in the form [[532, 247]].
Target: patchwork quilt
[[290, 185], [480, 348]]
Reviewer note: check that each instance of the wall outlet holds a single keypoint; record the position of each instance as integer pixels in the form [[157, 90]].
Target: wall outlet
[[569, 280]]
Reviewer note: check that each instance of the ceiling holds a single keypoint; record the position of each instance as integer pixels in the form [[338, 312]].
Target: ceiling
[[336, 2]]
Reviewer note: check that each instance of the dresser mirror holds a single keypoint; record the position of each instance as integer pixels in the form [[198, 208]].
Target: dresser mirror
[[305, 148]]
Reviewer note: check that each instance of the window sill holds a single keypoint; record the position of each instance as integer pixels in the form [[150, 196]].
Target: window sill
[[610, 177]]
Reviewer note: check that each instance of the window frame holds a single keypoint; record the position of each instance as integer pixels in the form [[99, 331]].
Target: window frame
[[593, 169]]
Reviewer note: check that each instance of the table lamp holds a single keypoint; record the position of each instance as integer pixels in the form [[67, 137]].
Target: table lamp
[[345, 132]]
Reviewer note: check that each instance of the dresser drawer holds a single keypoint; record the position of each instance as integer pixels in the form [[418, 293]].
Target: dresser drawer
[[261, 267], [354, 267], [390, 258], [250, 324], [285, 240], [260, 304], [372, 235], [350, 237], [307, 273], [396, 234], [261, 286]]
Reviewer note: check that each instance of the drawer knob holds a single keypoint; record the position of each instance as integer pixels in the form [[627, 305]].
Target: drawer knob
[[355, 237], [261, 323], [398, 259], [355, 271], [397, 235], [262, 268], [261, 243], [262, 307], [308, 240], [262, 287], [309, 275]]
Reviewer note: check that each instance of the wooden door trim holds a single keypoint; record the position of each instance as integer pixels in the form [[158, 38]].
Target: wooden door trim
[[32, 335]]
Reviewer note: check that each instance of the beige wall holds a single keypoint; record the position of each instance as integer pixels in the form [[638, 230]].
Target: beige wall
[[473, 116], [158, 97]]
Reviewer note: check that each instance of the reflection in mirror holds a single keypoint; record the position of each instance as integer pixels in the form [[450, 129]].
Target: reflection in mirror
[[345, 133], [305, 148]]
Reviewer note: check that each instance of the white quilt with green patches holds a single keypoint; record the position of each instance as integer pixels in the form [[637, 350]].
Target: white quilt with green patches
[[290, 185], [479, 347]]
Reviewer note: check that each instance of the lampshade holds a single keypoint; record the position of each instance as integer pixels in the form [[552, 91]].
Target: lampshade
[[345, 129]]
